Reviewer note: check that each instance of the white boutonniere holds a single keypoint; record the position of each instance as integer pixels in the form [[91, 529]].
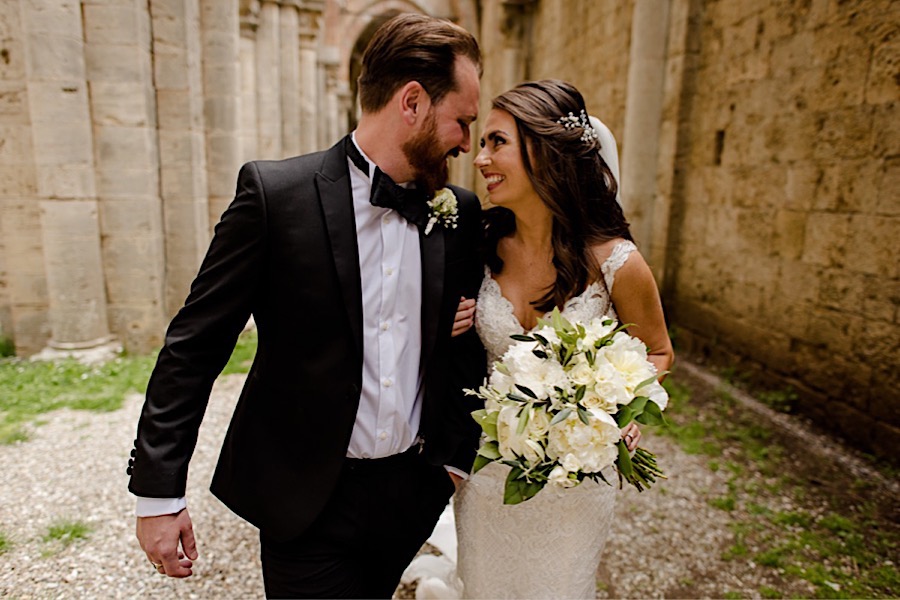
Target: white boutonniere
[[444, 210]]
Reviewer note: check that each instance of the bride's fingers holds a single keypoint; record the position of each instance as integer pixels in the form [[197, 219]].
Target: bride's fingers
[[465, 317]]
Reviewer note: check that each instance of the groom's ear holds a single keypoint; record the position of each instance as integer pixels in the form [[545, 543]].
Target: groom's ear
[[414, 102]]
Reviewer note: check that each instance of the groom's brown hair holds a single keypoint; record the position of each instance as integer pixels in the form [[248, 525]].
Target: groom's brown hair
[[412, 47]]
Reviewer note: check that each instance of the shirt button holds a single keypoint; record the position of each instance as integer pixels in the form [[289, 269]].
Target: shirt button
[[389, 271], [387, 382], [386, 219], [382, 435], [385, 326]]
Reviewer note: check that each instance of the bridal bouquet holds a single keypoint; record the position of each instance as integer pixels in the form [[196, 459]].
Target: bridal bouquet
[[555, 404]]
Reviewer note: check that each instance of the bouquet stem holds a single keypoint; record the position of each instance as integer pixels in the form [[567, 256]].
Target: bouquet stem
[[643, 472]]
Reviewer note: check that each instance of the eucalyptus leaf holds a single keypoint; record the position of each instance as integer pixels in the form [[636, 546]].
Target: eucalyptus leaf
[[579, 392], [527, 391], [584, 415], [541, 339], [647, 381], [524, 416], [561, 416]]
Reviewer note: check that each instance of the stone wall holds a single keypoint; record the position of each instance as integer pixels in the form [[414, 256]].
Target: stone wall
[[786, 207]]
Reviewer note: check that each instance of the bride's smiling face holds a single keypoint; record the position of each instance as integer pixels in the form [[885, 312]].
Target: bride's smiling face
[[500, 162]]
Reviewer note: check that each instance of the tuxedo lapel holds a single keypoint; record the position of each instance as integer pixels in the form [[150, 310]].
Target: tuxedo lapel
[[336, 198], [432, 249]]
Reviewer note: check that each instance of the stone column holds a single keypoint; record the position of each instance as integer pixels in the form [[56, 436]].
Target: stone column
[[220, 35], [182, 145], [290, 78], [345, 107], [515, 26], [66, 187], [310, 12], [126, 153], [643, 116], [268, 80], [331, 130], [249, 113]]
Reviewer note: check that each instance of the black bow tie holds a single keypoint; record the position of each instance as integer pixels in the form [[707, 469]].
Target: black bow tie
[[408, 202]]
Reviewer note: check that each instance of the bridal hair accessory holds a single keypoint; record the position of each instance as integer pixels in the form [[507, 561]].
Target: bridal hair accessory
[[444, 210], [581, 121]]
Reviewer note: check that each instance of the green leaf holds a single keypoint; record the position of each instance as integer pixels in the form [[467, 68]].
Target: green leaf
[[518, 489], [624, 416], [480, 463], [517, 397], [561, 416], [526, 391], [524, 415], [541, 339], [584, 415], [652, 415], [522, 338], [490, 450], [624, 462], [637, 405], [487, 421], [647, 381], [540, 354], [501, 367], [579, 392]]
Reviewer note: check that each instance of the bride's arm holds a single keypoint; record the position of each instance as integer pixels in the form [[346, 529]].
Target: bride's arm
[[637, 301]]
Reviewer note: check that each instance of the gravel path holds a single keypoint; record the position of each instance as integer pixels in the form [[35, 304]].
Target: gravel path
[[664, 543]]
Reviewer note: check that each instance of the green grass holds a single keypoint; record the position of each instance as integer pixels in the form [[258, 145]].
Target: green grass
[[67, 532], [5, 544], [843, 552], [33, 388]]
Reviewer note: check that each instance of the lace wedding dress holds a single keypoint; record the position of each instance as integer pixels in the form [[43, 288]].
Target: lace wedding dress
[[548, 546]]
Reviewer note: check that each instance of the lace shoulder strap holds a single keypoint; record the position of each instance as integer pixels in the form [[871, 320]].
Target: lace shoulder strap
[[617, 258]]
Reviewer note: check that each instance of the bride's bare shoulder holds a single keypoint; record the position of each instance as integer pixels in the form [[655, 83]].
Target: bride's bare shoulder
[[604, 250]]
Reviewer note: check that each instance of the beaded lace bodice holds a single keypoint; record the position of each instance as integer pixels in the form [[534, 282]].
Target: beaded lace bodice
[[495, 320]]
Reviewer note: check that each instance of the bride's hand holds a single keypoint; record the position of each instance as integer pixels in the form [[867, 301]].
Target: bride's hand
[[632, 436], [465, 316]]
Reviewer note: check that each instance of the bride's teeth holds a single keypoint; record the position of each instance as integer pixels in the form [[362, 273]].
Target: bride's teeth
[[494, 179]]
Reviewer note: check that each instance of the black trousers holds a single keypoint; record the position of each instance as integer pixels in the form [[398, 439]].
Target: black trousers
[[380, 514]]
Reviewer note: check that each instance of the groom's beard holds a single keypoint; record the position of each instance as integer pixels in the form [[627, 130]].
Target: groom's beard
[[429, 163]]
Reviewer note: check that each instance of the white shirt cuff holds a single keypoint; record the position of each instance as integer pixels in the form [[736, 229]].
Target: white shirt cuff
[[154, 507], [456, 471]]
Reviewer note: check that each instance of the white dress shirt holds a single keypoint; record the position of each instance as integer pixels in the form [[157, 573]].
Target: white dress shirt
[[390, 266]]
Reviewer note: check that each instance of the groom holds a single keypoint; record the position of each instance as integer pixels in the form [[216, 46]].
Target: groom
[[352, 425]]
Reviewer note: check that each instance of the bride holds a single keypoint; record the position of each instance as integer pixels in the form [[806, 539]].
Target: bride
[[557, 237]]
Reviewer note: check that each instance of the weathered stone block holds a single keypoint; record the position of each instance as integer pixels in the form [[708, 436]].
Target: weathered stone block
[[117, 103], [111, 24], [117, 63], [882, 84], [841, 290], [55, 59], [63, 143], [73, 180], [132, 216], [789, 231], [825, 239], [873, 245], [127, 183], [887, 129], [52, 102], [845, 133], [888, 198]]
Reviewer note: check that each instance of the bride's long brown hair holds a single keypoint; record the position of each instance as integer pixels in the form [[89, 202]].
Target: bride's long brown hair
[[571, 178]]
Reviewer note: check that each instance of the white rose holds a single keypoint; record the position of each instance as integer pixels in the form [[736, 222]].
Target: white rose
[[606, 402], [560, 478], [593, 445], [629, 357], [537, 374], [581, 373], [570, 463]]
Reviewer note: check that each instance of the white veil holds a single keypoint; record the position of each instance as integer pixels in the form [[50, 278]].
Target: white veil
[[609, 152]]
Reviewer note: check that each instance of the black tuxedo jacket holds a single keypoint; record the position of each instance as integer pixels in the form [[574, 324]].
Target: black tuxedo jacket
[[285, 251]]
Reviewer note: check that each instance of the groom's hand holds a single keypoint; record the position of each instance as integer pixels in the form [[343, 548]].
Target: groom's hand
[[160, 537]]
